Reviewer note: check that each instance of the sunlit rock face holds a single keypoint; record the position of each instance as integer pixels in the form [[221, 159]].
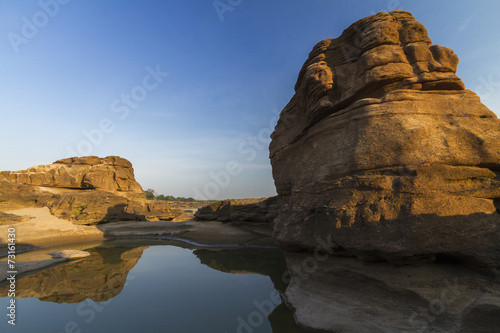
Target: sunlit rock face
[[383, 149], [112, 173], [84, 190]]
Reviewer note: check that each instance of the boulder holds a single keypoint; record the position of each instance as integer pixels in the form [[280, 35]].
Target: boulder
[[165, 211], [242, 210], [382, 148]]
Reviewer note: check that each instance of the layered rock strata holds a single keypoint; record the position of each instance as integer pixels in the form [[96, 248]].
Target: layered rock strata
[[383, 149], [383, 155], [112, 174], [84, 190]]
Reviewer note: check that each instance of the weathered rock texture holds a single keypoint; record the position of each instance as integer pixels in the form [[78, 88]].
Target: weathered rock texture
[[112, 174], [187, 209], [84, 190], [247, 210], [382, 148], [382, 154]]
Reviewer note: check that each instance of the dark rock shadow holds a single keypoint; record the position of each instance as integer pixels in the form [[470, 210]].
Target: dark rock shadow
[[119, 213], [268, 262]]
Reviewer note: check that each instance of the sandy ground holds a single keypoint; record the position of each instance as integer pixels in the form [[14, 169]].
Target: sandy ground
[[46, 230]]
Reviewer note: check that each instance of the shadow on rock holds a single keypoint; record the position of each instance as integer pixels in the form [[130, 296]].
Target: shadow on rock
[[119, 213]]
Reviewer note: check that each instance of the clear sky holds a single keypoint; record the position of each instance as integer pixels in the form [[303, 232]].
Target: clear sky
[[187, 92]]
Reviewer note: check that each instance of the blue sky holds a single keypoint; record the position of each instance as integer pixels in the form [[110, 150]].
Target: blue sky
[[199, 125]]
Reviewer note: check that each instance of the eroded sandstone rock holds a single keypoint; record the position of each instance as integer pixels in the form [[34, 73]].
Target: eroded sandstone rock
[[248, 210], [112, 173], [382, 148], [85, 190]]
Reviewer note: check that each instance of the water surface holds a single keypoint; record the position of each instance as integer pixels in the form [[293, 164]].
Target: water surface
[[155, 286]]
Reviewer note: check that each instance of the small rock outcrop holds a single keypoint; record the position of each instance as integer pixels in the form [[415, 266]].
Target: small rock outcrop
[[239, 210], [383, 148]]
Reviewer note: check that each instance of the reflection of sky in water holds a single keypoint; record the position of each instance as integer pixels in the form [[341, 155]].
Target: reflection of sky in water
[[167, 290]]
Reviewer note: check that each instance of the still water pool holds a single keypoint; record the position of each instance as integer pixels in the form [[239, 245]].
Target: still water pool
[[154, 286]]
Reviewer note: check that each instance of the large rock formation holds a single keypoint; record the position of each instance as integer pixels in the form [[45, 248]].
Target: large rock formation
[[112, 174], [84, 190], [382, 148], [383, 155]]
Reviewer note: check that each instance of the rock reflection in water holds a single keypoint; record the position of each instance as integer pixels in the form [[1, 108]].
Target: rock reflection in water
[[257, 261], [102, 276], [99, 277], [268, 262]]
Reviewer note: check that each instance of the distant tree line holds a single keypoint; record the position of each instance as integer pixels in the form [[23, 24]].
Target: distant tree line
[[152, 195]]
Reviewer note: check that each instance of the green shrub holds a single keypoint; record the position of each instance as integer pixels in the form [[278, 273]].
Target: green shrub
[[150, 194], [80, 208]]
